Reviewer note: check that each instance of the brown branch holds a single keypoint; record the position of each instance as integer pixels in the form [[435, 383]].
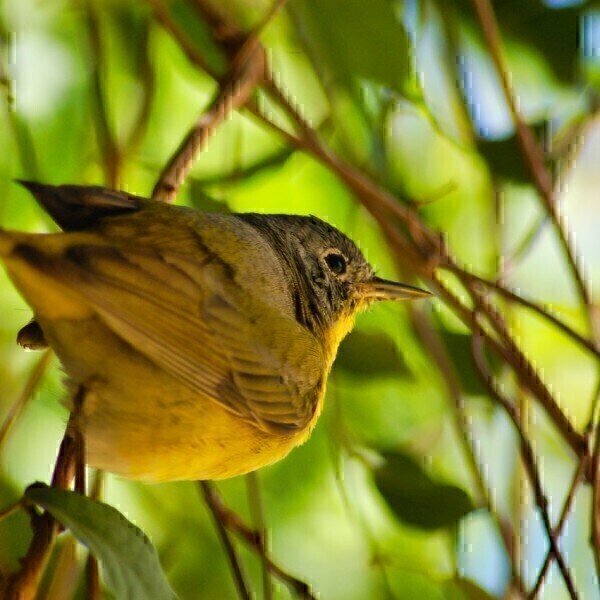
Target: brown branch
[[24, 583], [247, 70], [258, 517], [213, 502], [232, 522], [581, 467], [531, 152], [528, 458], [533, 306], [434, 346], [109, 147]]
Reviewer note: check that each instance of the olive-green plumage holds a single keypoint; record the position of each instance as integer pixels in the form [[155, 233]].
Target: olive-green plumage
[[203, 341]]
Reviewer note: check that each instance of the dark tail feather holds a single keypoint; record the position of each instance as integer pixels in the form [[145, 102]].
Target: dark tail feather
[[75, 207]]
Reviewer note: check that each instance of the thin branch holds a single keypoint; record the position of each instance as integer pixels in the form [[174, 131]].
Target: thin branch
[[246, 72], [213, 501], [109, 148], [434, 346], [528, 458], [258, 518], [35, 376], [232, 522], [581, 467], [24, 583], [595, 520], [533, 306], [532, 153]]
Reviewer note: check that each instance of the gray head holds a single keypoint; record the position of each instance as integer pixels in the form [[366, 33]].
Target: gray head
[[328, 276]]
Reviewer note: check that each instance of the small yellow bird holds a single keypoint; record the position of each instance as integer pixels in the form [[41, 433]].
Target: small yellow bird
[[203, 341]]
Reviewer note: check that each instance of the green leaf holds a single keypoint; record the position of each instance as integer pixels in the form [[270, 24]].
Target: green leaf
[[415, 498], [198, 34], [459, 347], [372, 355], [355, 39], [553, 32], [464, 589], [129, 560], [505, 158]]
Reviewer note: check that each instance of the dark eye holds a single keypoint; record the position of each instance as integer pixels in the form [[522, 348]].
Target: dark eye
[[336, 263]]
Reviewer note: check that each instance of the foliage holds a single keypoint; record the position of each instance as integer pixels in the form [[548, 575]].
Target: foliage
[[403, 138]]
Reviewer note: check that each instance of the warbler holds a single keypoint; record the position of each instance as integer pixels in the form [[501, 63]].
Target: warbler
[[202, 341]]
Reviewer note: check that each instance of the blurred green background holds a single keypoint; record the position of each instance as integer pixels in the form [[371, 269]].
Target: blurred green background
[[404, 90]]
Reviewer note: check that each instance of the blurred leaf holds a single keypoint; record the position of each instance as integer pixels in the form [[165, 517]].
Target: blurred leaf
[[459, 346], [505, 158], [554, 32], [464, 589], [415, 498], [372, 355], [205, 202], [197, 33], [129, 560], [353, 38]]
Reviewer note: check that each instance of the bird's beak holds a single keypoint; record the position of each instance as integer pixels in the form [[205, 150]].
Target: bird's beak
[[382, 289]]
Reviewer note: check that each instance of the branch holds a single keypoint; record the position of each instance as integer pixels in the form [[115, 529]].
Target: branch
[[528, 458], [24, 583], [581, 467], [433, 344], [213, 501], [532, 153], [258, 517], [232, 522], [109, 148], [247, 70]]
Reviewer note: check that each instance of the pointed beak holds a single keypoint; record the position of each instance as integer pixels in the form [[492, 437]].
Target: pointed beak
[[382, 289]]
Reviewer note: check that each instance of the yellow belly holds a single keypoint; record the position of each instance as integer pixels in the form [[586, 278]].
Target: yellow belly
[[139, 422]]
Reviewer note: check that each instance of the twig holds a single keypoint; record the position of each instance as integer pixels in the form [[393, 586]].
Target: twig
[[258, 517], [109, 148], [559, 527], [31, 384], [435, 347], [212, 501], [246, 72], [532, 153], [253, 539], [516, 298], [595, 519], [24, 583], [528, 458]]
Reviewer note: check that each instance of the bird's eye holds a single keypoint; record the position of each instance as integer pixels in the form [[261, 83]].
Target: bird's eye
[[336, 263]]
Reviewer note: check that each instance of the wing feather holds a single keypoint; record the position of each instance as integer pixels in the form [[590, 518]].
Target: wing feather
[[194, 322]]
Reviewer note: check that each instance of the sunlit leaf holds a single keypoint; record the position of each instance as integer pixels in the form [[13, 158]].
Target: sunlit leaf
[[128, 558], [416, 498]]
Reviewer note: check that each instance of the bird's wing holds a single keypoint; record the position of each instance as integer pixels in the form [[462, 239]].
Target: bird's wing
[[192, 320]]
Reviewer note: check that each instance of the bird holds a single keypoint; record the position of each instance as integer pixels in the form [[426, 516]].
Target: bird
[[202, 341]]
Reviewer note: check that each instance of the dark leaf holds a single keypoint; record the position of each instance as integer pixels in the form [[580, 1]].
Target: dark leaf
[[371, 354], [505, 158], [129, 560], [415, 498], [205, 202], [459, 346], [553, 32], [351, 39], [198, 34]]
